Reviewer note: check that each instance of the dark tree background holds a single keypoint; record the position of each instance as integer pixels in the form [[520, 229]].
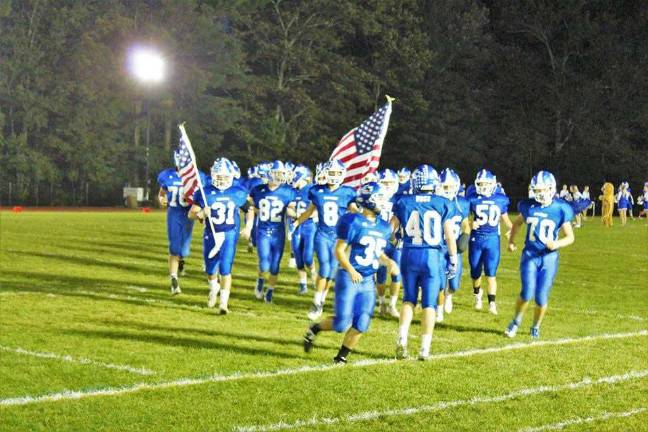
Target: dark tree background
[[511, 85]]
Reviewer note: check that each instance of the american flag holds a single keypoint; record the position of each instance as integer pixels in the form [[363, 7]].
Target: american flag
[[360, 149], [187, 168]]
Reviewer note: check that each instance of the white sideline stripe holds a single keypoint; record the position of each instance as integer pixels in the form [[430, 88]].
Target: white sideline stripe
[[373, 415], [183, 382], [79, 360], [579, 420]]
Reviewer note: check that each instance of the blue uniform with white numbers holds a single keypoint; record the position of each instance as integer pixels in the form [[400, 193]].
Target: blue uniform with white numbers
[[395, 253], [422, 217], [331, 205], [179, 226], [461, 212], [354, 302], [539, 265], [250, 184], [484, 246], [303, 238], [225, 217], [271, 233]]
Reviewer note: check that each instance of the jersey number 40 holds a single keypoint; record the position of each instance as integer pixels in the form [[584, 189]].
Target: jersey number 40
[[424, 228]]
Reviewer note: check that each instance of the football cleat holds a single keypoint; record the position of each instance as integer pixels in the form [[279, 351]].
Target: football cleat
[[535, 332], [213, 295], [250, 248], [401, 352], [303, 289], [511, 330], [439, 314], [268, 295], [258, 290], [383, 309], [447, 306], [175, 286], [492, 308], [393, 312], [309, 339], [223, 310], [478, 301], [339, 360], [181, 267], [315, 312], [292, 263]]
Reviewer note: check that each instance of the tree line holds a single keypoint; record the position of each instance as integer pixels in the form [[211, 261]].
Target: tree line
[[510, 85]]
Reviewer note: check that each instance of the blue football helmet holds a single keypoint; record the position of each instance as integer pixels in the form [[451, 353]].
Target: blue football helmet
[[263, 170], [389, 180], [425, 178], [252, 172], [543, 187], [278, 172], [449, 184], [301, 176], [222, 173], [335, 172], [404, 175], [237, 170], [373, 197], [485, 183]]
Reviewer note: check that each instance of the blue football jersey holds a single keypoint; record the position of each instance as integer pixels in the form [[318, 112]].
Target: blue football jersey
[[461, 210], [330, 205], [403, 188], [487, 212], [368, 240], [170, 181], [543, 223], [422, 217], [224, 205], [302, 200], [272, 205], [253, 182]]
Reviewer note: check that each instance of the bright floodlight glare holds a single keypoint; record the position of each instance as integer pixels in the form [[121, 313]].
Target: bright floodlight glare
[[147, 65]]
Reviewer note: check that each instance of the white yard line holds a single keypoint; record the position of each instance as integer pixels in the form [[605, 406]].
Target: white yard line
[[115, 391], [373, 415], [579, 420], [78, 360]]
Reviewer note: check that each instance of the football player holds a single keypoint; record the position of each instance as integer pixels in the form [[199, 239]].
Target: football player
[[331, 201], [487, 208], [269, 203], [221, 205], [545, 217], [425, 219], [449, 185], [303, 238], [367, 236], [389, 180], [404, 185], [179, 226]]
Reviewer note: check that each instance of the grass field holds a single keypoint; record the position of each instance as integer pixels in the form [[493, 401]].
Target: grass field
[[91, 339]]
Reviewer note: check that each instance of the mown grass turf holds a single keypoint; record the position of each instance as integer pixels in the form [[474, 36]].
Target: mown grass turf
[[94, 285]]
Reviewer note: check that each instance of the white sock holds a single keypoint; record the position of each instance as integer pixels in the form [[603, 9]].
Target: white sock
[[381, 300], [303, 279], [324, 295], [214, 285], [403, 332], [426, 341], [317, 298], [393, 300], [224, 297]]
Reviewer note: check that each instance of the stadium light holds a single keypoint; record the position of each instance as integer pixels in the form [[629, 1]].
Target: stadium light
[[148, 66]]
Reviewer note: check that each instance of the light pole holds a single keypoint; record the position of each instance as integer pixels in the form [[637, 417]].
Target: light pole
[[148, 66]]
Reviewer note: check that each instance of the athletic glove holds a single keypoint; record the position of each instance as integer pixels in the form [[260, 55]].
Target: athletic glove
[[451, 268], [462, 242]]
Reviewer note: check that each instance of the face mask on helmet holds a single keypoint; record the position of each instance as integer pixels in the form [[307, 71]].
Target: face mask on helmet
[[543, 187], [373, 197], [222, 174], [369, 178], [449, 184], [425, 179], [335, 172], [278, 175], [485, 183], [390, 181]]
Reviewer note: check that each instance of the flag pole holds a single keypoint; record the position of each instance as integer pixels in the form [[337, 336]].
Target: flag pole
[[183, 132]]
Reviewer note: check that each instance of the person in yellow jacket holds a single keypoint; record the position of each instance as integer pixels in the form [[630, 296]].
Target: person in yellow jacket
[[607, 203]]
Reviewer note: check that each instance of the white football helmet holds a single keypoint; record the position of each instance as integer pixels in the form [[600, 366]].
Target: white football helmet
[[485, 183], [222, 173], [543, 186]]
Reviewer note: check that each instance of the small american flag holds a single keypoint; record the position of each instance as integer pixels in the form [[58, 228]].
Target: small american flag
[[360, 149], [187, 169]]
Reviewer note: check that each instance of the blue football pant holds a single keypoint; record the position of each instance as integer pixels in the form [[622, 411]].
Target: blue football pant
[[325, 250], [420, 270], [179, 230], [303, 245], [484, 253], [537, 274], [270, 247], [354, 303], [224, 260]]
